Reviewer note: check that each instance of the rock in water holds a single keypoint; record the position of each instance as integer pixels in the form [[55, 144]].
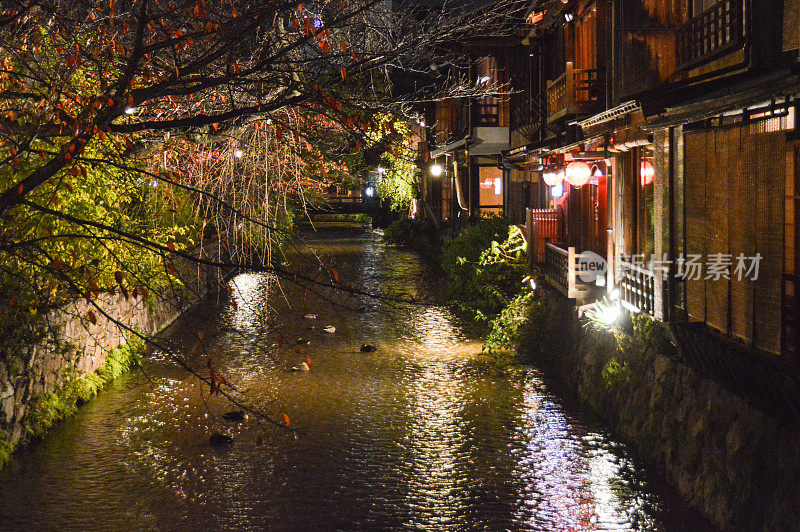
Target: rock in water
[[368, 348], [236, 415], [301, 367], [218, 439], [330, 329], [310, 316]]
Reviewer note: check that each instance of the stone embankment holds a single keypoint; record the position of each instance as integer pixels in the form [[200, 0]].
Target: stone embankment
[[64, 355], [735, 463]]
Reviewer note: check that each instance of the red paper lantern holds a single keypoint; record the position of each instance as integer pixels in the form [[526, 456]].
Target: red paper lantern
[[647, 173], [578, 173]]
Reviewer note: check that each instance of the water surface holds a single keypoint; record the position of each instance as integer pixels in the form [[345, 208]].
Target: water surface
[[417, 435]]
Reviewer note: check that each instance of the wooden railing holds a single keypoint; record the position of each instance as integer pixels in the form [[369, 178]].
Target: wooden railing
[[542, 228], [575, 91], [562, 267], [711, 33], [487, 111], [636, 286]]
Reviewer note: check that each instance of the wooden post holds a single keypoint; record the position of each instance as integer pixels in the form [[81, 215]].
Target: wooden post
[[569, 99], [571, 272]]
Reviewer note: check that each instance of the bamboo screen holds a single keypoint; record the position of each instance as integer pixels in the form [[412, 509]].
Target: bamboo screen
[[734, 183]]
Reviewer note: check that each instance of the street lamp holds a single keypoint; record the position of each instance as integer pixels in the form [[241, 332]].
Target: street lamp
[[436, 169]]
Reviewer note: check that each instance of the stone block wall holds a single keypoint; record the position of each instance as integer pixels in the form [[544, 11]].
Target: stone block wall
[[738, 465], [66, 341]]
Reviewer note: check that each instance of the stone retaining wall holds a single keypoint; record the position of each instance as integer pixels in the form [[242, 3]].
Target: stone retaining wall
[[66, 342], [737, 465]]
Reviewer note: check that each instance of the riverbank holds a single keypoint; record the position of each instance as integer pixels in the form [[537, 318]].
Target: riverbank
[[736, 464], [64, 357]]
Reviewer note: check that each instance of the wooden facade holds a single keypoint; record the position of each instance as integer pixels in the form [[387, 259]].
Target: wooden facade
[[702, 93]]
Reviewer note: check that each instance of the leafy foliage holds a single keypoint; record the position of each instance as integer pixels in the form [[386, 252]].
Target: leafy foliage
[[484, 272], [412, 233], [518, 326]]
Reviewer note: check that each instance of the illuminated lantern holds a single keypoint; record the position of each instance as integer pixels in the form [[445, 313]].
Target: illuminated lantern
[[552, 178], [578, 173], [647, 172]]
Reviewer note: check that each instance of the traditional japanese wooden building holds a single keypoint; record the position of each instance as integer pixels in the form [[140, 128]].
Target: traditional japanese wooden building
[[677, 121]]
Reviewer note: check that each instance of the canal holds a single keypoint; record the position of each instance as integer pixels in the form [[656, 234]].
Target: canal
[[415, 435]]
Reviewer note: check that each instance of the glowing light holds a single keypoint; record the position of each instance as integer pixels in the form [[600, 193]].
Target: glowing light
[[552, 178], [557, 190], [533, 284], [238, 154], [129, 110], [647, 173], [436, 169], [578, 173], [614, 294], [369, 192], [498, 185], [610, 314], [422, 123], [381, 170]]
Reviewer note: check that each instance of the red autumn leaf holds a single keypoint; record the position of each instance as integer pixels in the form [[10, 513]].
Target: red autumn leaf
[[12, 300], [171, 246], [215, 125], [286, 420], [335, 275], [344, 73], [308, 360]]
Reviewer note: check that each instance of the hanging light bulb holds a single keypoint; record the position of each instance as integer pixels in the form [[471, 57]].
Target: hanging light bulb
[[552, 178], [578, 173], [647, 173]]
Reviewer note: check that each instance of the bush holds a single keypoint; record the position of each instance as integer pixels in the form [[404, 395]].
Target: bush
[[413, 234], [518, 326], [484, 273]]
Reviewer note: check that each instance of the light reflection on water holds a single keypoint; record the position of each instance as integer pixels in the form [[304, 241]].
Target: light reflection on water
[[417, 435]]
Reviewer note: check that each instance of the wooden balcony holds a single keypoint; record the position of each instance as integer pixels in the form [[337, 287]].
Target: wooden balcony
[[637, 286], [711, 34], [575, 92]]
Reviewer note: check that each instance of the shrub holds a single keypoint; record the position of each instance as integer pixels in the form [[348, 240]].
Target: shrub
[[414, 234], [518, 326], [484, 272]]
